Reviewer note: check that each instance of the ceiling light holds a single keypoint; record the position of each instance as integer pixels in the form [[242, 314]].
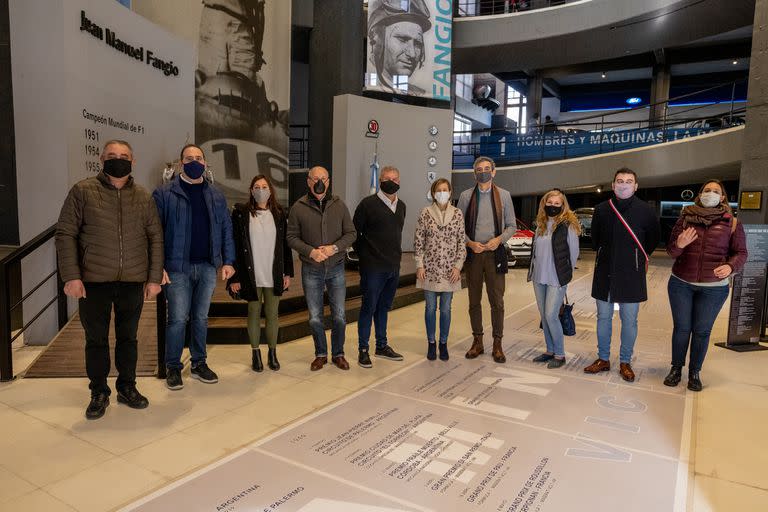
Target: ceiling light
[[634, 100], [602, 75], [599, 190], [735, 62]]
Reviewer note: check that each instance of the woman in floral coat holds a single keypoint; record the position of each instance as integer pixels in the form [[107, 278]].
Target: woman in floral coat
[[440, 252]]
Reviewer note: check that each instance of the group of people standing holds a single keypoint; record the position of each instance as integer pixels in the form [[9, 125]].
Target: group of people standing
[[118, 245], [707, 243]]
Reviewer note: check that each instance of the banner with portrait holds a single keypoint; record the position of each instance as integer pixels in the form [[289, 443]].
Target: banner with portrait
[[242, 85], [409, 47]]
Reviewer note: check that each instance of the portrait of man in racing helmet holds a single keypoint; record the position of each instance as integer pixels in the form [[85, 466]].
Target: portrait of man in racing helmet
[[396, 42]]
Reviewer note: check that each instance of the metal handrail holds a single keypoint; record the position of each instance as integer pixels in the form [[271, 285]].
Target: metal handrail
[[464, 145], [13, 262], [493, 7], [298, 146]]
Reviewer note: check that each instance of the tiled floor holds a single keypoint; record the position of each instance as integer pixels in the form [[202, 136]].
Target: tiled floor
[[52, 459]]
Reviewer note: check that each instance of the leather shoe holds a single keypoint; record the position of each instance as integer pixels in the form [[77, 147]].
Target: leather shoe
[[318, 363], [497, 353], [256, 364], [694, 381], [625, 370], [477, 347], [600, 365], [272, 361], [131, 397], [97, 407], [340, 363], [673, 377]]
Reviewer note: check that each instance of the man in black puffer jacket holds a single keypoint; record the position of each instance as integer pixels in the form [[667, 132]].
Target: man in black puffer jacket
[[620, 267]]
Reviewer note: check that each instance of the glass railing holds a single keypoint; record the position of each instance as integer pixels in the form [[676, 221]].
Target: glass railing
[[468, 8], [600, 133]]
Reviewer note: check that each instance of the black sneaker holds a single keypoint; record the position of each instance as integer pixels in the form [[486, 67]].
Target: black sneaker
[[202, 373], [173, 379], [386, 352], [364, 360], [97, 407], [556, 362], [131, 397]]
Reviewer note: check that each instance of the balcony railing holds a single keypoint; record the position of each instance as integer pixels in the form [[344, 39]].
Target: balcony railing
[[468, 8], [596, 134]]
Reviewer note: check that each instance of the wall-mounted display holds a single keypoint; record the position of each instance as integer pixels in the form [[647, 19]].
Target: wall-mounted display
[[751, 200]]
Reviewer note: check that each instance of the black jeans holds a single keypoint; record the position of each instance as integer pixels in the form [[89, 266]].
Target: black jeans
[[95, 313]]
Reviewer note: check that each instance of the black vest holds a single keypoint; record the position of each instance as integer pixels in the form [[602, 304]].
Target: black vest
[[561, 255]]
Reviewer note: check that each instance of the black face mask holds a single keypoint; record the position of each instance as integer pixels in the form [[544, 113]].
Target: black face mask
[[553, 211], [319, 187], [389, 187], [117, 167]]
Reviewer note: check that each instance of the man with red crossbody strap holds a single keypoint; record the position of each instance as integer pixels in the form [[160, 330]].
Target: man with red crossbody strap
[[625, 231]]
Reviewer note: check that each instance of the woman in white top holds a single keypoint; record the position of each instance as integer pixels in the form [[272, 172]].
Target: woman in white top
[[264, 265], [440, 251]]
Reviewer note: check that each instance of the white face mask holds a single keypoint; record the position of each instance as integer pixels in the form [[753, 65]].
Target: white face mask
[[442, 197], [710, 199]]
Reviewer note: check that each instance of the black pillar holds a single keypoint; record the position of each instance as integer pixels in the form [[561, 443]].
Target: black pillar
[[336, 66], [9, 205], [753, 165], [659, 93]]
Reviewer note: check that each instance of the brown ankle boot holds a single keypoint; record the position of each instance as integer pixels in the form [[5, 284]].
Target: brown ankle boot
[[498, 354], [477, 347]]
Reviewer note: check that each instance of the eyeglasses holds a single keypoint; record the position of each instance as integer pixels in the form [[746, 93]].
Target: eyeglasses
[[190, 158]]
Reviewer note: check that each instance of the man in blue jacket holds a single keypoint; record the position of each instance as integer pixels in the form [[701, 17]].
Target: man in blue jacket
[[198, 240]]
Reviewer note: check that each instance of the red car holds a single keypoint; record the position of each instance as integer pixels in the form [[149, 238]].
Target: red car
[[520, 246]]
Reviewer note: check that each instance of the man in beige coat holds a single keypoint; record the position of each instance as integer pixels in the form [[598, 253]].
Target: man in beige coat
[[110, 250]]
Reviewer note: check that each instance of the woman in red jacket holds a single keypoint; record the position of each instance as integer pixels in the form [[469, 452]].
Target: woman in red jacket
[[708, 245]]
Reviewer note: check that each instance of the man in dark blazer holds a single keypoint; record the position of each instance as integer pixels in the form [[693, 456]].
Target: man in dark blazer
[[625, 231]]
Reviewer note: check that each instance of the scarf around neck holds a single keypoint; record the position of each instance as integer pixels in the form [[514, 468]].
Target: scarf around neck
[[695, 214]]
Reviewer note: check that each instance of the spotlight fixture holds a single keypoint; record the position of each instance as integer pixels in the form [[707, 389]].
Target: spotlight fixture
[[602, 74]]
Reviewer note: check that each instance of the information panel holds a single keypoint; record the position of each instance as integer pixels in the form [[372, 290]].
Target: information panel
[[747, 314]]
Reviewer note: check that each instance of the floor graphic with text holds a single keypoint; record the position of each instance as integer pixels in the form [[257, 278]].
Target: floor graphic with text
[[472, 435]]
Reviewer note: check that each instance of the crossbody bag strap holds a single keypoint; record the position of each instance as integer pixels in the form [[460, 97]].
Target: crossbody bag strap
[[629, 230]]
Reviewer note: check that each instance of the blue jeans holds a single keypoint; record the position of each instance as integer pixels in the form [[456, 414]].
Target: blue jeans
[[189, 298], [628, 314], [430, 311], [315, 281], [694, 310], [378, 290], [549, 299]]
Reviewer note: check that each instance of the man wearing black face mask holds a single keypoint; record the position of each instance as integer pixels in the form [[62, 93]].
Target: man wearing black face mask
[[198, 240], [110, 250], [379, 221], [489, 221], [320, 229]]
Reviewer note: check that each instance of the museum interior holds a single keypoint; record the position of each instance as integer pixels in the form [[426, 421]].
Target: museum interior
[[492, 190]]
